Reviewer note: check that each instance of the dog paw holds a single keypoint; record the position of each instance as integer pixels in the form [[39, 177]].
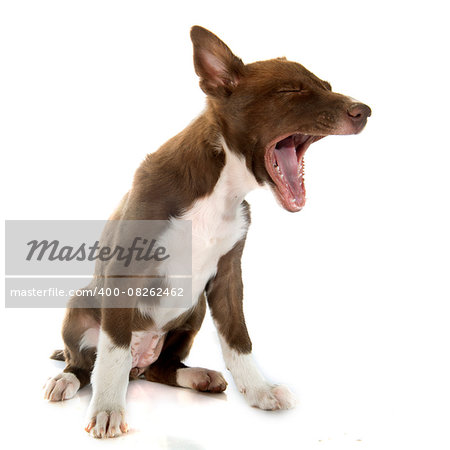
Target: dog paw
[[62, 387], [107, 424], [201, 379], [269, 397]]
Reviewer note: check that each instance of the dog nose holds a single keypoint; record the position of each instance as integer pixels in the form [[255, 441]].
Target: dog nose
[[358, 112]]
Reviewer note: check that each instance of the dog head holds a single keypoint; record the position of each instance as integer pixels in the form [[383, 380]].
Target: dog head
[[271, 112]]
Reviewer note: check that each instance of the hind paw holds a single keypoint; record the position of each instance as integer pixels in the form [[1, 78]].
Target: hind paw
[[62, 387], [201, 379]]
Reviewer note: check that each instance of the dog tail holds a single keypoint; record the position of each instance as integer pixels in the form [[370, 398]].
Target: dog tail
[[58, 355]]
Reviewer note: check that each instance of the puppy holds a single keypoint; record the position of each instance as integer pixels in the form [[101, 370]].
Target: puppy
[[259, 121]]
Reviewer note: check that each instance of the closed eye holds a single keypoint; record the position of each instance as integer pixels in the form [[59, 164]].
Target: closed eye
[[289, 91]]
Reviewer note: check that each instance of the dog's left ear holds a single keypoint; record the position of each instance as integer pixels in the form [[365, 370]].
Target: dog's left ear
[[216, 65]]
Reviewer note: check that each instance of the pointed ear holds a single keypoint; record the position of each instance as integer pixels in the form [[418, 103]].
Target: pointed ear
[[219, 70]]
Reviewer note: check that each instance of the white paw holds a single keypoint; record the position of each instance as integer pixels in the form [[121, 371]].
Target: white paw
[[62, 387], [269, 397], [107, 424], [201, 379]]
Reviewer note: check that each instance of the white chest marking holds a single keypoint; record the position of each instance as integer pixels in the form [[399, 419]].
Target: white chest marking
[[218, 223]]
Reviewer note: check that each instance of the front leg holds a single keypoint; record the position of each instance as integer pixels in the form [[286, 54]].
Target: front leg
[[225, 294], [106, 412]]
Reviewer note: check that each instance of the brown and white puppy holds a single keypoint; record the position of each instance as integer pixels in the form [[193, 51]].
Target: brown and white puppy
[[259, 121]]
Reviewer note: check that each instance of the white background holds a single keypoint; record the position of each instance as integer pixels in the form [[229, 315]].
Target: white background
[[346, 301]]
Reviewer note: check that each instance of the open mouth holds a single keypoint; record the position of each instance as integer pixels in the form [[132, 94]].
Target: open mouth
[[284, 163]]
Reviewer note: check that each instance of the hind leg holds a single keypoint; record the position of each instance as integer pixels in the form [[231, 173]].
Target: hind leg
[[79, 355], [169, 369]]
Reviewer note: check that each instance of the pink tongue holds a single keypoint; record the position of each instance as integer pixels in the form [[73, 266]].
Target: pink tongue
[[287, 162]]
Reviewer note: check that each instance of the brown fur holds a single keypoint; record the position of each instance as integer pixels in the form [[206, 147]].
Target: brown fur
[[76, 322]]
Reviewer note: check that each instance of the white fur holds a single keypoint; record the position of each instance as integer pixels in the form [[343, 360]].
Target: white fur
[[109, 386], [218, 223], [252, 384]]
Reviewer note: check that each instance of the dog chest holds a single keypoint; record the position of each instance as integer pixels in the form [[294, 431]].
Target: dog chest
[[214, 233], [219, 221]]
